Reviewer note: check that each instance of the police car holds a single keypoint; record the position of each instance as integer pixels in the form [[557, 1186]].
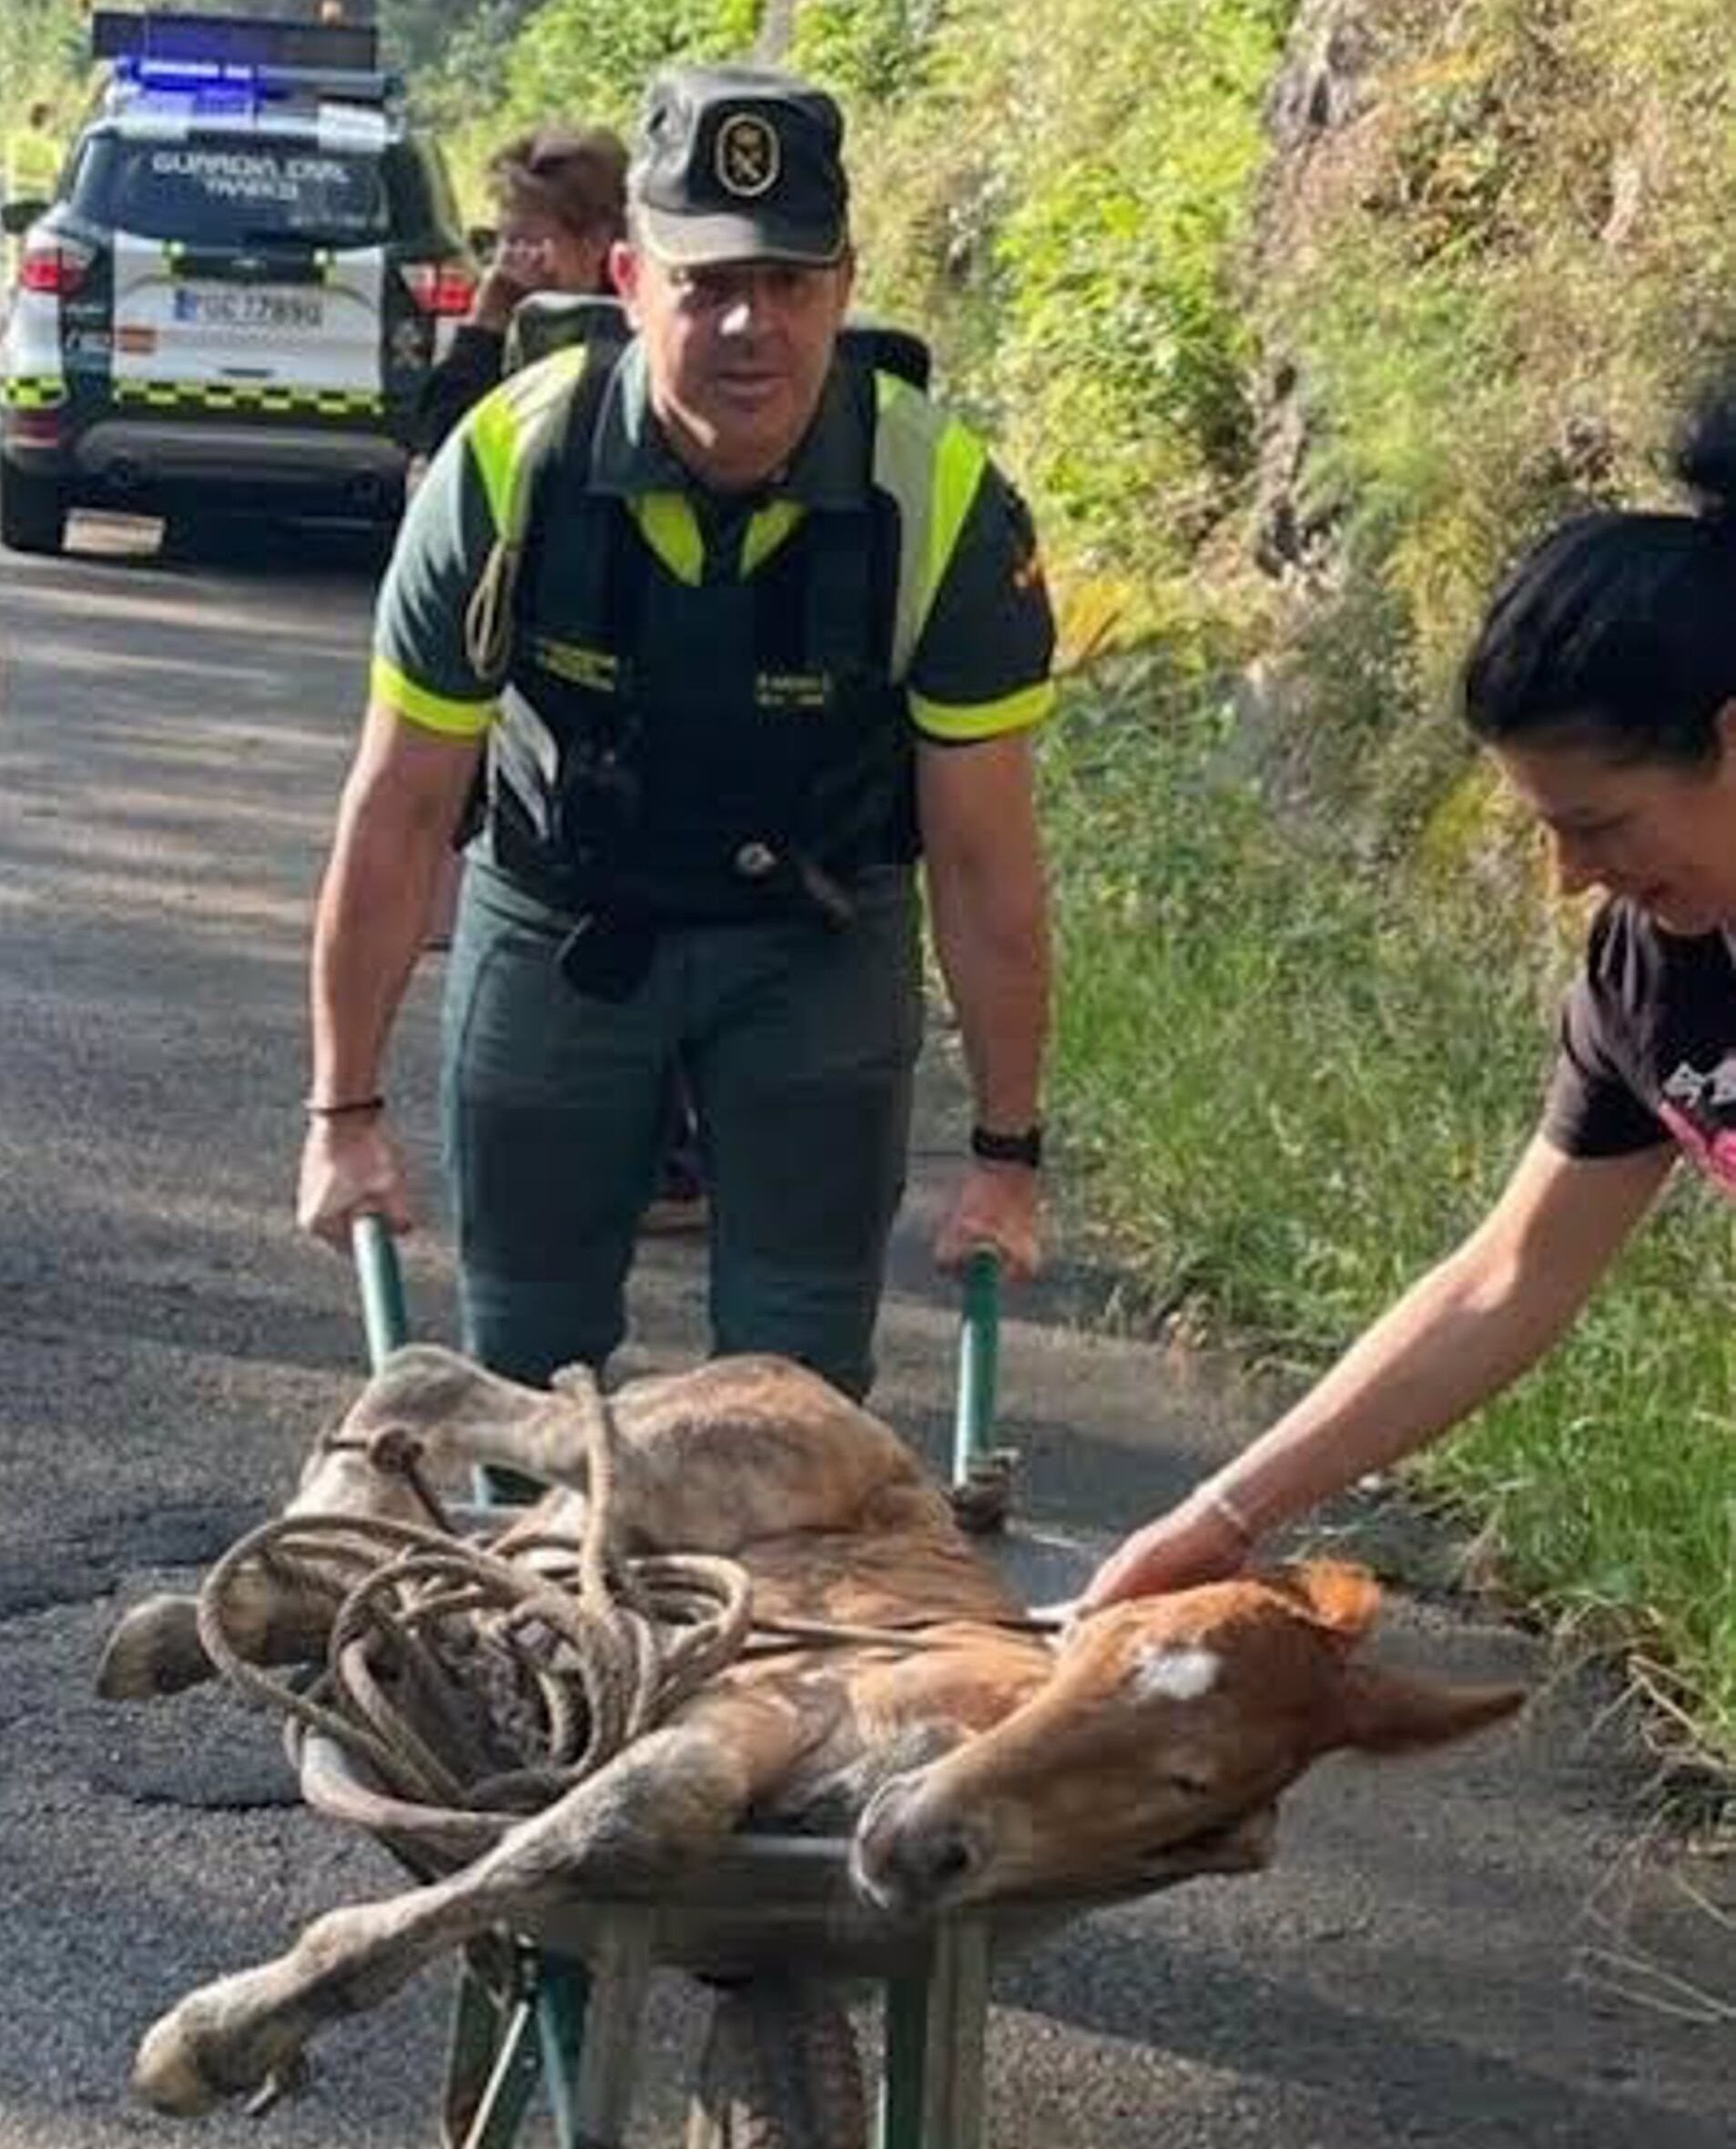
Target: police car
[[250, 265]]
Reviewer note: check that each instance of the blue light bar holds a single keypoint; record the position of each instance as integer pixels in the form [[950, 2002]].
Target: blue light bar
[[212, 85], [196, 40]]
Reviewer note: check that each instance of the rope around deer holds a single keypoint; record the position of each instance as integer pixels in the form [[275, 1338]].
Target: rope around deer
[[471, 1683], [478, 1684]]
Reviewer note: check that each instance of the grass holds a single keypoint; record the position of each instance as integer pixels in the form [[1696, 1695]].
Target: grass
[[1288, 1079]]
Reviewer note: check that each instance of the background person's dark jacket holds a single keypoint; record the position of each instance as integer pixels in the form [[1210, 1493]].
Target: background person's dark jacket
[[463, 377]]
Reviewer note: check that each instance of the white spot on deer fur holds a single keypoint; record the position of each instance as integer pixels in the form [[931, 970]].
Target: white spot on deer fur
[[1177, 1675]]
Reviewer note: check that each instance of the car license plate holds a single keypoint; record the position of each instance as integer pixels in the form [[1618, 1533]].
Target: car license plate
[[271, 311]]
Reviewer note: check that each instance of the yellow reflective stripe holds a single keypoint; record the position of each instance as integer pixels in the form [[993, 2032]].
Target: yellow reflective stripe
[[245, 395], [769, 528], [33, 391], [902, 467], [932, 467], [669, 526], [983, 720], [494, 444], [433, 712], [503, 426], [959, 465]]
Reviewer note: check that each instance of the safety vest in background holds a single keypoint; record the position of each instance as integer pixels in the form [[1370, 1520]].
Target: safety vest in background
[[32, 165]]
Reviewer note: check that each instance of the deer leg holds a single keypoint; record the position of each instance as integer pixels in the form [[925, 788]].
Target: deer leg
[[155, 1647], [668, 1797], [706, 1461], [459, 1413]]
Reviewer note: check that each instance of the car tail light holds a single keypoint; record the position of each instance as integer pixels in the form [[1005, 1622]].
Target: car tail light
[[441, 287], [35, 429], [55, 266]]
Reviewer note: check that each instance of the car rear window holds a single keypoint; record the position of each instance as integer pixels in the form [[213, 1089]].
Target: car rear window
[[230, 190]]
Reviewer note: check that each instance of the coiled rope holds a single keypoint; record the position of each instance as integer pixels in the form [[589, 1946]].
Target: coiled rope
[[476, 1683]]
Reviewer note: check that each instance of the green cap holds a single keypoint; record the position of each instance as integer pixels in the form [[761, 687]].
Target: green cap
[[739, 164]]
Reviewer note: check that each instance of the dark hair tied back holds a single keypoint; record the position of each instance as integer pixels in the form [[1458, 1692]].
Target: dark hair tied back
[[1618, 630]]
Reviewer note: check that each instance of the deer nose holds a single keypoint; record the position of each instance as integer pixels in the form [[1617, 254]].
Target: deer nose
[[909, 1862]]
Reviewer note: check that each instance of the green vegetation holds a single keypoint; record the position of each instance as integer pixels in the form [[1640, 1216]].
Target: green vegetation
[[1059, 194], [585, 60], [43, 48]]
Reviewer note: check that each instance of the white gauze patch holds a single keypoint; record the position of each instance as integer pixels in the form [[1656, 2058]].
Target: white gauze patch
[[1164, 1673]]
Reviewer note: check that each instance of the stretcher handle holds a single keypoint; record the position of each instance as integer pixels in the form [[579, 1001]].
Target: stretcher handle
[[382, 1283], [973, 1423]]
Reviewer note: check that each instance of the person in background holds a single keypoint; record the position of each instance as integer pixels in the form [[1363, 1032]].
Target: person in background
[[29, 172], [560, 193], [1603, 682], [33, 156]]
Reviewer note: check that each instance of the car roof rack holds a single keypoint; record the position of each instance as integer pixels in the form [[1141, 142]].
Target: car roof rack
[[232, 58]]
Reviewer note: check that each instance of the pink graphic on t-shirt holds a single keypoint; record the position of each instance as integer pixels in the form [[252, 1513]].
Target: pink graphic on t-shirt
[[1711, 1150]]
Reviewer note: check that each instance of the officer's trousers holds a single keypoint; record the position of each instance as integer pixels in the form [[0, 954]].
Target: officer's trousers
[[799, 1043]]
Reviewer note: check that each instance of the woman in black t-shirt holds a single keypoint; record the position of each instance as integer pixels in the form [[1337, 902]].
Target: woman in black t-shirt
[[1604, 684]]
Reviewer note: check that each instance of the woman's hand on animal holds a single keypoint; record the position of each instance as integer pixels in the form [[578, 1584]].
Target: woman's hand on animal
[[1194, 1543], [995, 1211], [351, 1168]]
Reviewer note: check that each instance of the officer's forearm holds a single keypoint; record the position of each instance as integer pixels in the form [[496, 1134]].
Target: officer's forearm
[[372, 915], [991, 935]]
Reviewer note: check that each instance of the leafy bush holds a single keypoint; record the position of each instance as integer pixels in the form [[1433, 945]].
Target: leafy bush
[[45, 51], [870, 51], [1517, 278], [1061, 208], [590, 60]]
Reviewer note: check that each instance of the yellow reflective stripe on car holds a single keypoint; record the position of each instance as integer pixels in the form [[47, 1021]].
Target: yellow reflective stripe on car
[[276, 398], [932, 466], [669, 526], [983, 720], [33, 391], [418, 704], [503, 428]]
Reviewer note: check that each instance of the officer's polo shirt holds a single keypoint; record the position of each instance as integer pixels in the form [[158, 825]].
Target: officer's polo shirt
[[979, 667]]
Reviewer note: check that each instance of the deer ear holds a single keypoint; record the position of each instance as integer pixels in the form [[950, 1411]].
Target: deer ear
[[1342, 1599], [1390, 1712]]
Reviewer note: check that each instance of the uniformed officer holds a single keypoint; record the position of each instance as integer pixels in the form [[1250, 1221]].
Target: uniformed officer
[[28, 173], [770, 627], [33, 156]]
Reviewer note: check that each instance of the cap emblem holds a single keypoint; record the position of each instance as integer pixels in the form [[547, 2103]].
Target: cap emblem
[[748, 156]]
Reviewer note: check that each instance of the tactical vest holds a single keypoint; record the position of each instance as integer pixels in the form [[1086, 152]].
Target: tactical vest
[[674, 746]]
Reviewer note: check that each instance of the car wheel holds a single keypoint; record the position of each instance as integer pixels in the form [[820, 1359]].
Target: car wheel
[[33, 513]]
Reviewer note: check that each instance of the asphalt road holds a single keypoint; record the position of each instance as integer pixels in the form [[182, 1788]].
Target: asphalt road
[[172, 736]]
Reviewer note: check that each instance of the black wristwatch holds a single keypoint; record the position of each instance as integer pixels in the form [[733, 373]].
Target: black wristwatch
[[1024, 1148]]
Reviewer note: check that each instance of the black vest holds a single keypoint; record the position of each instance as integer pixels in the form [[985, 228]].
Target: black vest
[[680, 754]]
